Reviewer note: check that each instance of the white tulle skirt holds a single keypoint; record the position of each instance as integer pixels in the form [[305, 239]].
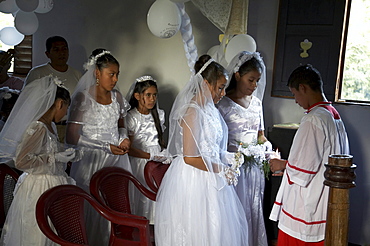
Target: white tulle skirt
[[250, 190], [140, 204], [190, 210], [21, 227]]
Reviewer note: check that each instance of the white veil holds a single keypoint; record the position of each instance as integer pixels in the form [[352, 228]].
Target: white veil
[[33, 102], [79, 102], [189, 131], [239, 60]]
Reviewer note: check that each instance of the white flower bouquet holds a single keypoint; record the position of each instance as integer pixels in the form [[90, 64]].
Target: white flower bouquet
[[256, 154]]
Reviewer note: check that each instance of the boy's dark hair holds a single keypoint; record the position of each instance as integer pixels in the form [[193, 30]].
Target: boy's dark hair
[[53, 39], [308, 75]]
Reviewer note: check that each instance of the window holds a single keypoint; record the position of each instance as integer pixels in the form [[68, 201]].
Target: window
[[22, 61], [308, 32], [354, 79]]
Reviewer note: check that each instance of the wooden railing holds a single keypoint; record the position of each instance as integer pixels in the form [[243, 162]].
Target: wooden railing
[[340, 177]]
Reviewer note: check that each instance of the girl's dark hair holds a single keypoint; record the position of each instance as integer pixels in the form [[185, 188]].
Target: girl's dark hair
[[251, 65], [104, 60], [308, 75], [213, 71], [140, 87], [63, 94]]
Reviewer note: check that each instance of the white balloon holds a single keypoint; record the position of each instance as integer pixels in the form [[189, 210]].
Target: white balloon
[[44, 6], [10, 36], [240, 42], [27, 5], [164, 18], [213, 51], [8, 6], [26, 22], [15, 12]]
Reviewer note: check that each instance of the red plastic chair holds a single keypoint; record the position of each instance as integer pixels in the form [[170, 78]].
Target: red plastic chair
[[8, 179], [110, 187], [63, 207], [154, 173]]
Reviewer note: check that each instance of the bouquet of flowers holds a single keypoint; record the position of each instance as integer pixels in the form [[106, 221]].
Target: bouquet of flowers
[[256, 154]]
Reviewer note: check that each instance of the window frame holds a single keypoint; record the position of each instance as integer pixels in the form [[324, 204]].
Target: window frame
[[339, 80], [22, 62]]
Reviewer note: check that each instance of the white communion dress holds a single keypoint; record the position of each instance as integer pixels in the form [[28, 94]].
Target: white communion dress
[[196, 207], [144, 136], [244, 124], [34, 156], [99, 122]]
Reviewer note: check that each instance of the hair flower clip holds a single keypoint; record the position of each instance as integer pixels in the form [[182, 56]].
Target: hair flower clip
[[92, 60], [58, 82]]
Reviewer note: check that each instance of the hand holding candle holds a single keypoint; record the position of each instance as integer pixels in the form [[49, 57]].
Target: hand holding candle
[[277, 165]]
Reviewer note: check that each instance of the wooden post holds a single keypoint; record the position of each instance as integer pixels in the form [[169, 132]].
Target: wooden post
[[340, 177]]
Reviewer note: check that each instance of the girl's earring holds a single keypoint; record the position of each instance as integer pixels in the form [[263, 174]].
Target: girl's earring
[[97, 81]]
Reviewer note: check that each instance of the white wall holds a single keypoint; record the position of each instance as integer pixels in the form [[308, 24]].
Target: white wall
[[120, 26]]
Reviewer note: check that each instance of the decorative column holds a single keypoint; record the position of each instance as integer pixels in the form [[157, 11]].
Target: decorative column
[[340, 177]]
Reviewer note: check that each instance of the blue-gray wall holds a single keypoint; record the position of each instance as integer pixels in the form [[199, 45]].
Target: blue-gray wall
[[120, 26]]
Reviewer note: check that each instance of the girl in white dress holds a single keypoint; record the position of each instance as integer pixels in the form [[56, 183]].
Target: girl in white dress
[[196, 205], [145, 126], [30, 136], [242, 112], [95, 124]]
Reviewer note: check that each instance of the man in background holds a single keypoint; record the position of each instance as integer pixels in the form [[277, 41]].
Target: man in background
[[58, 53]]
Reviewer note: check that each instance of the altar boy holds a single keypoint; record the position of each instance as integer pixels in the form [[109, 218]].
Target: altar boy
[[301, 202]]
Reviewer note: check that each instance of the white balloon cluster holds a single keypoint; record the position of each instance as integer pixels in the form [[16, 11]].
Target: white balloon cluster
[[25, 18], [164, 18], [238, 43]]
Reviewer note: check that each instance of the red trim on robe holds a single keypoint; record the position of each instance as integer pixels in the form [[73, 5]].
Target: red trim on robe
[[327, 106], [300, 169], [303, 221]]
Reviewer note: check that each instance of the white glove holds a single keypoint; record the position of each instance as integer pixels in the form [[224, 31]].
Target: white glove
[[93, 144], [65, 156], [168, 156], [155, 156], [232, 158], [122, 135], [231, 176], [268, 146]]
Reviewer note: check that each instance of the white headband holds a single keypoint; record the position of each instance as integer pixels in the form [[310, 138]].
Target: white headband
[[205, 65], [92, 60], [145, 78], [245, 56]]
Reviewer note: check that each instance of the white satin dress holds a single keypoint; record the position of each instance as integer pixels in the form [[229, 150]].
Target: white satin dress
[[141, 128], [99, 122], [244, 124]]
